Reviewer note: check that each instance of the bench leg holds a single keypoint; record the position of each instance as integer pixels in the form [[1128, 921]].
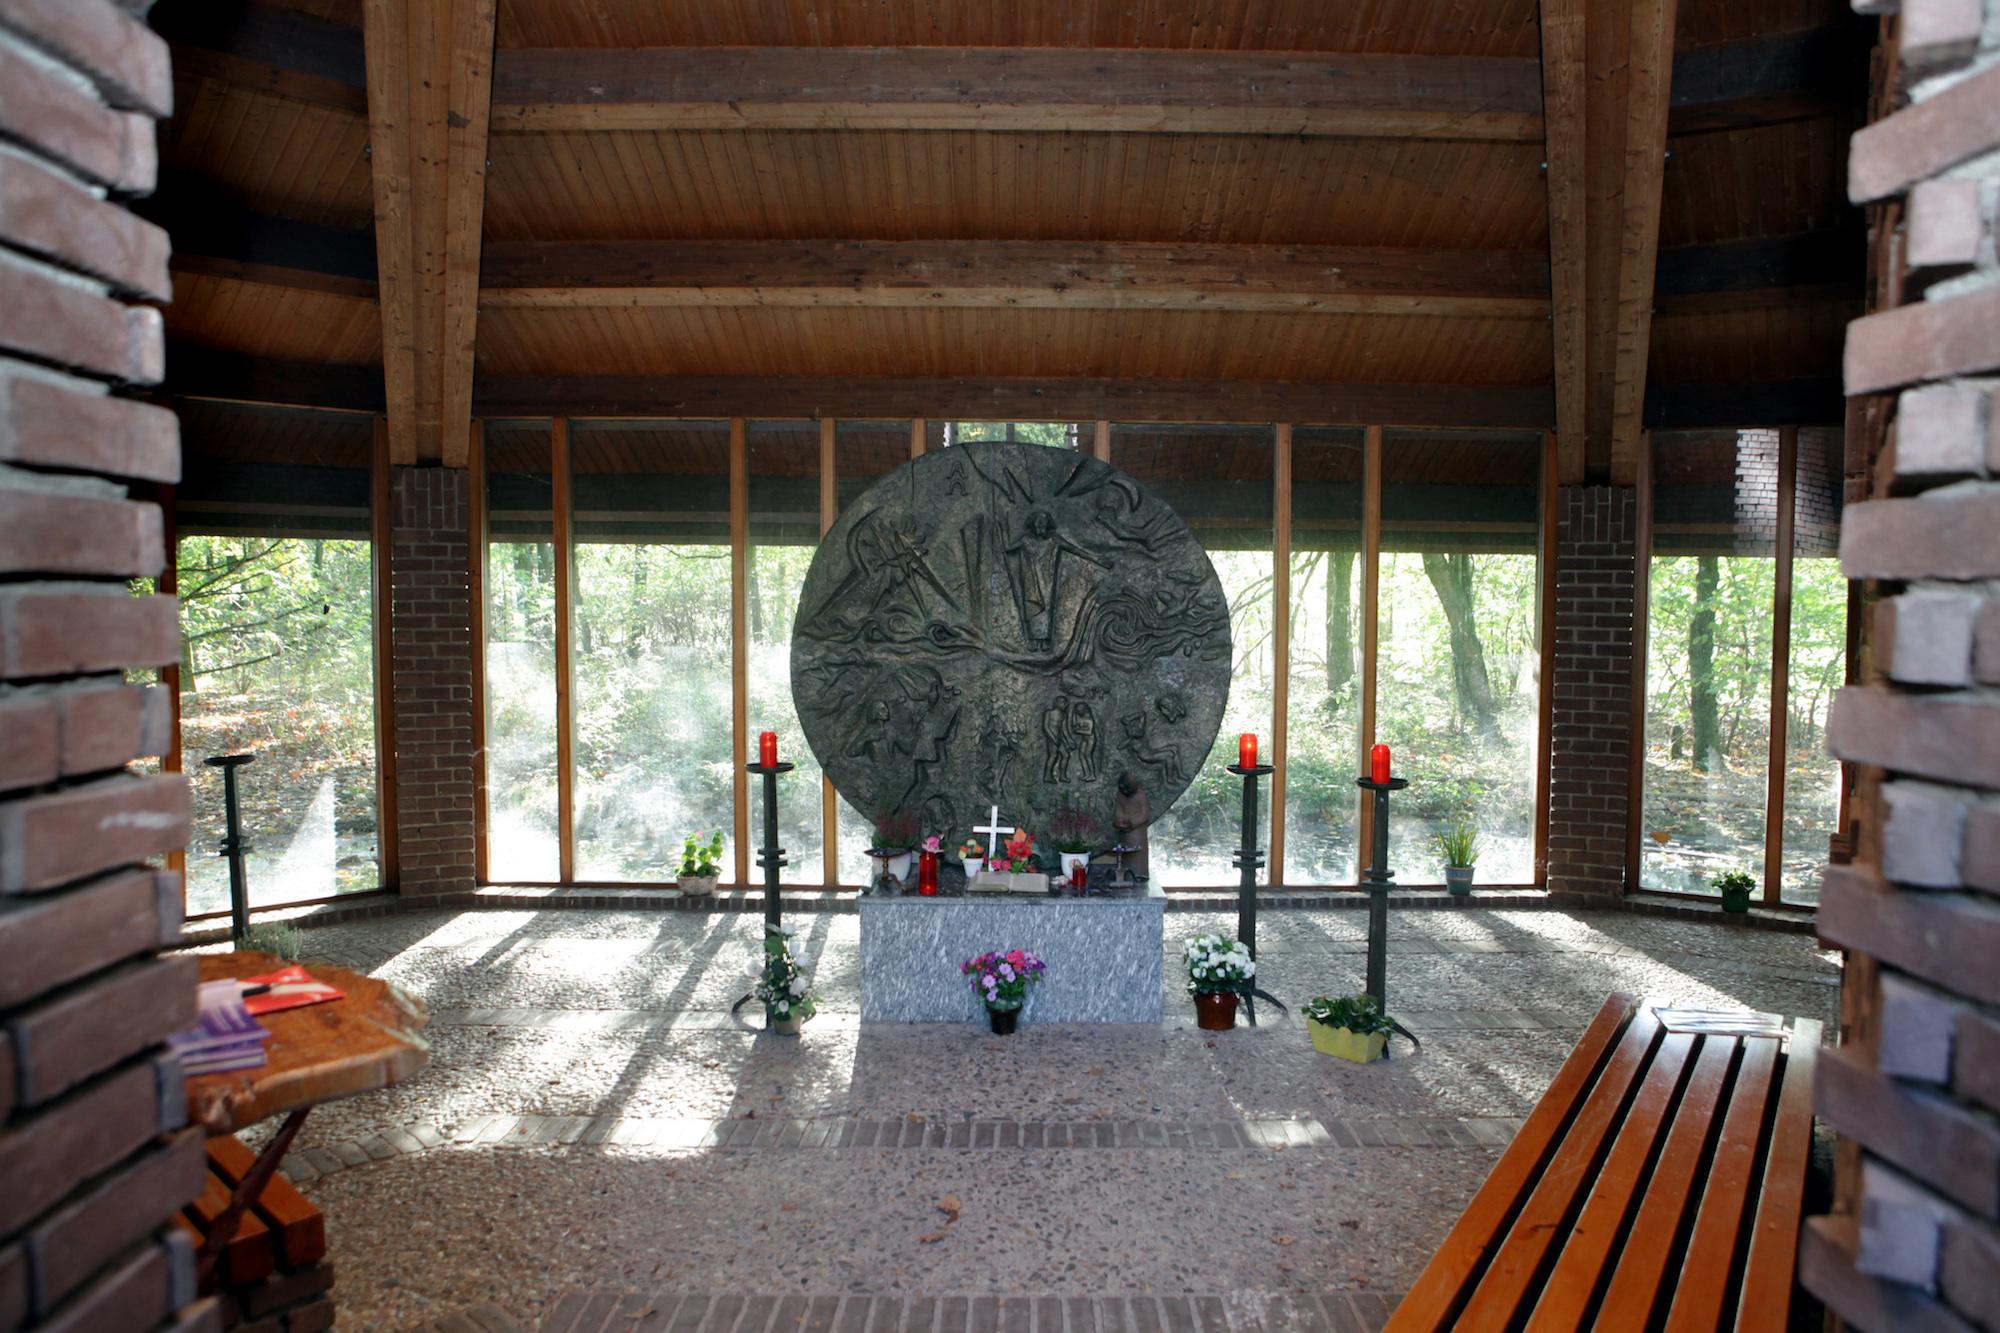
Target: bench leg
[[246, 1193]]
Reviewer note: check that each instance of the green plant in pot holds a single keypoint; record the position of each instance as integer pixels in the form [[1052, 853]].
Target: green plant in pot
[[1735, 886], [1459, 846], [896, 832], [701, 863], [1349, 1027], [784, 983]]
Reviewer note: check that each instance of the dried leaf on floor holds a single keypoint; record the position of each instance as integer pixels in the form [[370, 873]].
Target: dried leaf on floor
[[931, 1239], [950, 1207]]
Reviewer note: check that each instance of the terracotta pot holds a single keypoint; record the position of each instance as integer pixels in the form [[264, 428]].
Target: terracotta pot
[[1004, 1020], [1215, 1013]]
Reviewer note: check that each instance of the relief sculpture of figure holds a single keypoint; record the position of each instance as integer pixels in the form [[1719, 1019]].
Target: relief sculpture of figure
[[1166, 758], [998, 746], [1130, 813], [1055, 738], [1083, 735], [1037, 560]]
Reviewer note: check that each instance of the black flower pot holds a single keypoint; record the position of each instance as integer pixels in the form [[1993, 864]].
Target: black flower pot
[[1004, 1020]]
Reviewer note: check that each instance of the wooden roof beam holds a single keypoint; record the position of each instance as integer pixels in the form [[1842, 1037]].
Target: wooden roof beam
[[430, 82], [255, 247], [281, 51], [990, 88], [195, 371], [1768, 78], [1017, 274], [1563, 104]]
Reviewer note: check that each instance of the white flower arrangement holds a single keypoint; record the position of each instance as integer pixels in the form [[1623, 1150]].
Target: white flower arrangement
[[783, 982], [1218, 964]]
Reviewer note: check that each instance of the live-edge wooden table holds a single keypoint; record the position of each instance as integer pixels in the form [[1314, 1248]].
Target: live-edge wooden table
[[317, 1053]]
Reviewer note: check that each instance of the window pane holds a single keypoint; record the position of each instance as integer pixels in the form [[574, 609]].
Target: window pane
[[1218, 479], [651, 652], [1458, 667], [1708, 658], [864, 452], [276, 583], [1818, 665], [1056, 434], [521, 840], [1323, 718], [784, 532]]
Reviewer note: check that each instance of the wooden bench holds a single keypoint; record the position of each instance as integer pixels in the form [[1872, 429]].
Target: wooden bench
[[1658, 1183]]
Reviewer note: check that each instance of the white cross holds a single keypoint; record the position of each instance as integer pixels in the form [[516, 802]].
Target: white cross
[[992, 830]]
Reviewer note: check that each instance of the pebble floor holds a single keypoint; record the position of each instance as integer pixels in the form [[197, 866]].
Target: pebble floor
[[598, 1144]]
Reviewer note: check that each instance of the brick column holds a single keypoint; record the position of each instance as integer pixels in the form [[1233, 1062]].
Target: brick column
[[430, 593], [1590, 733], [94, 1153]]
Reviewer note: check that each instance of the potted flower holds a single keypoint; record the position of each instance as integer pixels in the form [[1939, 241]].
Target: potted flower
[[1074, 834], [1352, 1027], [896, 833], [1219, 970], [1735, 886], [1459, 846], [783, 983], [1018, 862], [1001, 981], [972, 855], [701, 863]]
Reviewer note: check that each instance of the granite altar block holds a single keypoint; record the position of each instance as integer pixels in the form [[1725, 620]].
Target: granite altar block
[[1105, 953]]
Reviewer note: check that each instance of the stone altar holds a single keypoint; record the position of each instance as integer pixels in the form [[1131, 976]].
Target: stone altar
[[1105, 954]]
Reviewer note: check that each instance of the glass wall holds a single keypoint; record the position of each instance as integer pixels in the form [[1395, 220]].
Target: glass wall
[[864, 452], [1219, 480], [522, 843], [650, 633], [784, 532], [275, 570], [1458, 673], [1323, 706], [1816, 665], [1056, 434]]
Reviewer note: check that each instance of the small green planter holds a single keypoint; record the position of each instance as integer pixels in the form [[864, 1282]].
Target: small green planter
[[1459, 880], [1345, 1045], [1736, 900]]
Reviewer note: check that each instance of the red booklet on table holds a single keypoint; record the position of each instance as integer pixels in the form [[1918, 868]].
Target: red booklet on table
[[290, 988]]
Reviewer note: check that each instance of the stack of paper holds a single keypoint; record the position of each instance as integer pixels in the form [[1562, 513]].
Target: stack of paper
[[225, 1036]]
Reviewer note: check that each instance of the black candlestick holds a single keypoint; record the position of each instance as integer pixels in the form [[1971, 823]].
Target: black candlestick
[[1378, 879], [771, 857], [1249, 860], [233, 845]]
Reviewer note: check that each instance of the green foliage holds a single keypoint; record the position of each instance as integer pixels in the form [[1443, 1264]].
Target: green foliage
[[1074, 829], [701, 860], [1734, 881], [280, 939], [1458, 845], [1359, 1014], [897, 829], [784, 981]]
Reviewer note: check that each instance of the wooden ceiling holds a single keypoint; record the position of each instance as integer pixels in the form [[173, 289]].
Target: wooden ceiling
[[987, 202]]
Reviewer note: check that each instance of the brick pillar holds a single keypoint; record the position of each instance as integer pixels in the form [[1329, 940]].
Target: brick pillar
[[430, 593], [1590, 733], [95, 1155]]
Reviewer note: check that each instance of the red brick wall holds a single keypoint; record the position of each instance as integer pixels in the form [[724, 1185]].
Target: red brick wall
[[93, 1153], [430, 609], [1913, 1240], [1592, 723]]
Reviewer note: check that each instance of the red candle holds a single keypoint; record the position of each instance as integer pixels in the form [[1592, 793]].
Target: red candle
[[767, 750], [1246, 750], [1378, 764]]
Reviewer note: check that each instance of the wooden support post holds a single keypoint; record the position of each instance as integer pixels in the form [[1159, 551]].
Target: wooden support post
[[829, 800], [1642, 597], [1563, 124], [168, 584], [1649, 72], [382, 532], [1371, 605], [565, 678], [739, 640], [1781, 667], [1281, 641], [1100, 442], [476, 536], [917, 428], [1545, 607]]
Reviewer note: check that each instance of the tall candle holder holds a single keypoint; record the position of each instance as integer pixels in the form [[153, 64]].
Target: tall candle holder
[[233, 845], [1249, 860], [1378, 879], [771, 857]]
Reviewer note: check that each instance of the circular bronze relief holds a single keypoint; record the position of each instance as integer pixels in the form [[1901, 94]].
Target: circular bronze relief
[[1009, 624]]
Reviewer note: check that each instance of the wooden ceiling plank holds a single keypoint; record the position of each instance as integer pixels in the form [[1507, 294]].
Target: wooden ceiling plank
[[282, 51], [790, 88], [1649, 74], [1563, 110]]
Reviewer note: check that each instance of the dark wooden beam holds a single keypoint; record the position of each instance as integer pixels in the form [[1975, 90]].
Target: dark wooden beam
[[1151, 91], [1648, 76], [1564, 106], [1738, 275], [281, 51], [194, 371], [1809, 402], [1529, 407], [1055, 275], [1769, 78], [256, 247]]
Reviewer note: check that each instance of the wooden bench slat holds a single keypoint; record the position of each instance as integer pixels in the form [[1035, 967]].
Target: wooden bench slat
[[1498, 1301], [1643, 1260], [300, 1227], [1437, 1293], [1725, 1199], [251, 1253], [1766, 1302], [1567, 1294]]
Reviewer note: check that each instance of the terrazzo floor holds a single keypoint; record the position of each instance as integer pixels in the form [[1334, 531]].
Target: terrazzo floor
[[594, 1124]]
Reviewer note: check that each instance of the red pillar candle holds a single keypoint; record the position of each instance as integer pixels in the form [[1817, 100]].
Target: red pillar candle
[[1378, 764], [1246, 750], [767, 750]]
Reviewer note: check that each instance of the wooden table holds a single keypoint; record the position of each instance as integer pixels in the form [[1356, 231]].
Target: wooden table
[[363, 1041]]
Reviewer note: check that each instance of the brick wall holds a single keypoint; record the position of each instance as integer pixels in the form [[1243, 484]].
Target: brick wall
[[94, 1155], [1756, 492], [1913, 1240], [1590, 732], [430, 600]]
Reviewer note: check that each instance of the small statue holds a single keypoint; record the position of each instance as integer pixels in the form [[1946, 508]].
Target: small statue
[[1130, 813]]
